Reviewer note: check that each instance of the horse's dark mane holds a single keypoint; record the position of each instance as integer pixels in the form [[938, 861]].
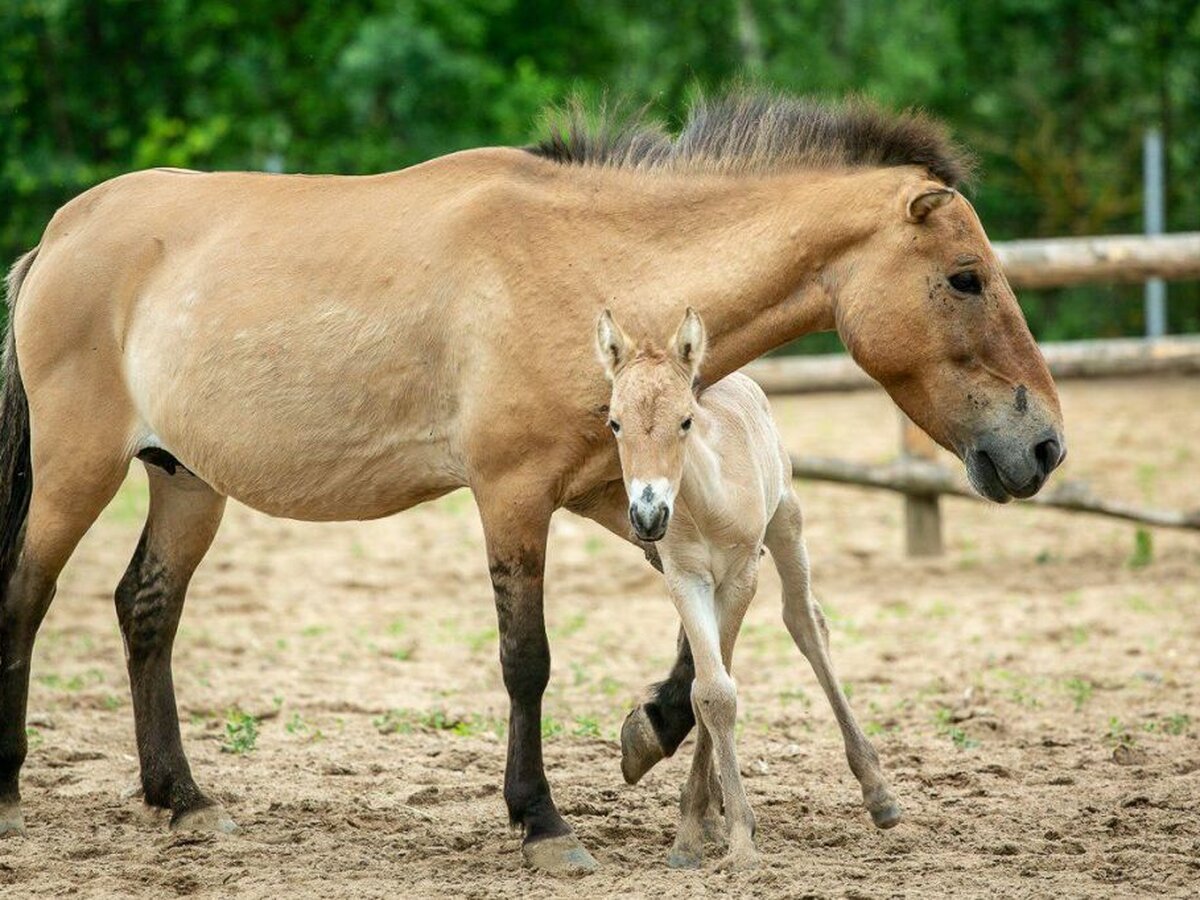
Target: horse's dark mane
[[755, 132]]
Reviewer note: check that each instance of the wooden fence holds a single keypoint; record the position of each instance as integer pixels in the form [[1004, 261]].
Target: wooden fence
[[1041, 263]]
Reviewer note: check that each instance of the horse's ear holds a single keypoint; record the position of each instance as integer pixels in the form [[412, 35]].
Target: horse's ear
[[925, 198], [689, 342], [611, 344]]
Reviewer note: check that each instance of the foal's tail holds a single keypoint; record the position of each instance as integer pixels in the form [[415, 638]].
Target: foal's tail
[[16, 474]]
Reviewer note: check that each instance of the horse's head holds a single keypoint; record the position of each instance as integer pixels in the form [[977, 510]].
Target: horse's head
[[925, 309], [650, 413]]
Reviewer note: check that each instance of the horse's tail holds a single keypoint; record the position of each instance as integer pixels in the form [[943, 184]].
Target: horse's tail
[[16, 473]]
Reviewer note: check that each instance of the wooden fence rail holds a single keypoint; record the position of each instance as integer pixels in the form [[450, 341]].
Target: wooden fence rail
[[1114, 358], [1125, 258], [917, 478]]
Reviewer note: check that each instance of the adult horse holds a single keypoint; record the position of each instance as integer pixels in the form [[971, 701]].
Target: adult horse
[[347, 347]]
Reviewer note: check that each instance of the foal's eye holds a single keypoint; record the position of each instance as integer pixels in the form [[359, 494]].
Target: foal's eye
[[967, 282], [686, 424], [615, 426]]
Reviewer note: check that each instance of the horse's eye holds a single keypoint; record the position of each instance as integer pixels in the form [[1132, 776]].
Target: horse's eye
[[967, 282], [686, 424], [615, 426]]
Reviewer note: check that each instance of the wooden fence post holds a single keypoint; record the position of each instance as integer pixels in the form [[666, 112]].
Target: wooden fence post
[[922, 512]]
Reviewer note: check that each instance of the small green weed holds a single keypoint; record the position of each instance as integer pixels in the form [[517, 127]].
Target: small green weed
[[1177, 724], [586, 726], [1143, 549], [1119, 735], [1081, 691], [241, 732]]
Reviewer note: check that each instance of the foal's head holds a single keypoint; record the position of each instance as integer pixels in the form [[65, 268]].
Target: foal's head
[[651, 412]]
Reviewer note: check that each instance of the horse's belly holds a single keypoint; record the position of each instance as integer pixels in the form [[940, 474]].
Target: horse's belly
[[307, 471], [297, 421]]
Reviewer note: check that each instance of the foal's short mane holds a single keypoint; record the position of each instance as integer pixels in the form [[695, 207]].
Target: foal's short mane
[[755, 132]]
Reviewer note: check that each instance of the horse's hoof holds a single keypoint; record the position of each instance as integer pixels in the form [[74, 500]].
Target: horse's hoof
[[684, 858], [212, 819], [640, 749], [12, 823], [886, 814], [562, 855]]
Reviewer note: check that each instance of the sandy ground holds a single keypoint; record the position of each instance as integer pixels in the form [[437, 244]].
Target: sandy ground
[[1033, 694]]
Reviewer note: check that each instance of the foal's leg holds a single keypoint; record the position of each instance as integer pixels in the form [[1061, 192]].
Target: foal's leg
[[70, 488], [516, 519], [714, 696], [183, 519], [654, 729], [695, 802], [804, 619]]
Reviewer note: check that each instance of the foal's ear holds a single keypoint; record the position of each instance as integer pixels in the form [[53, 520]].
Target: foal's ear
[[925, 198], [611, 343], [689, 341]]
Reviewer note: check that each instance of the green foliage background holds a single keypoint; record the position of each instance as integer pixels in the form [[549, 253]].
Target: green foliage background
[[1053, 95]]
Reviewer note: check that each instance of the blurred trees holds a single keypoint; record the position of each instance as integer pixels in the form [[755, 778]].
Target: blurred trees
[[1053, 95]]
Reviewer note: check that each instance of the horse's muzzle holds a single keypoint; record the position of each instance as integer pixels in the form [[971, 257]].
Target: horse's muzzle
[[1001, 470]]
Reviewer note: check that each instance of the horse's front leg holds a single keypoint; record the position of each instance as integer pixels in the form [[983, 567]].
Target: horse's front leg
[[516, 523]]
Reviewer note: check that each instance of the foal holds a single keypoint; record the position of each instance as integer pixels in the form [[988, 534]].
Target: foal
[[709, 479]]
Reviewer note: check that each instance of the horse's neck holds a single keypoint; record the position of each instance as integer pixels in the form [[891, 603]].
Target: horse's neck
[[757, 257]]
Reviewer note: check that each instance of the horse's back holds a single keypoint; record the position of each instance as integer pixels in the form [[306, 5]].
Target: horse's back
[[291, 339]]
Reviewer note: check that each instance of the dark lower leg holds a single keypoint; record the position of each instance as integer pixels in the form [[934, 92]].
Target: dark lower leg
[[525, 661], [670, 706], [149, 602], [23, 605]]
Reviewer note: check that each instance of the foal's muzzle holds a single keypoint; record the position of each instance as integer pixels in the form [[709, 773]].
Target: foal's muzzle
[[649, 519]]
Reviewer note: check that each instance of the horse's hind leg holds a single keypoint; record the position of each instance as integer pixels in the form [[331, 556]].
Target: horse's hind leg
[[70, 488], [184, 516], [804, 619]]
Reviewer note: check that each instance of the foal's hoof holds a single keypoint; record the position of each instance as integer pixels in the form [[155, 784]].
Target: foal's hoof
[[685, 858], [886, 815], [562, 855], [211, 819], [12, 823], [738, 861], [640, 749]]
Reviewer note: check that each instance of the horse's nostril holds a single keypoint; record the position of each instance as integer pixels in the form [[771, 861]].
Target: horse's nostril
[[1048, 454]]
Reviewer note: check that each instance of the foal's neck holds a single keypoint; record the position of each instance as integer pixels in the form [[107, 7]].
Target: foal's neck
[[706, 487]]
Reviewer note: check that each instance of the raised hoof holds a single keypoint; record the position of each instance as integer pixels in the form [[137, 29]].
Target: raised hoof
[[562, 855], [886, 815], [640, 749], [12, 823], [212, 819], [684, 858]]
